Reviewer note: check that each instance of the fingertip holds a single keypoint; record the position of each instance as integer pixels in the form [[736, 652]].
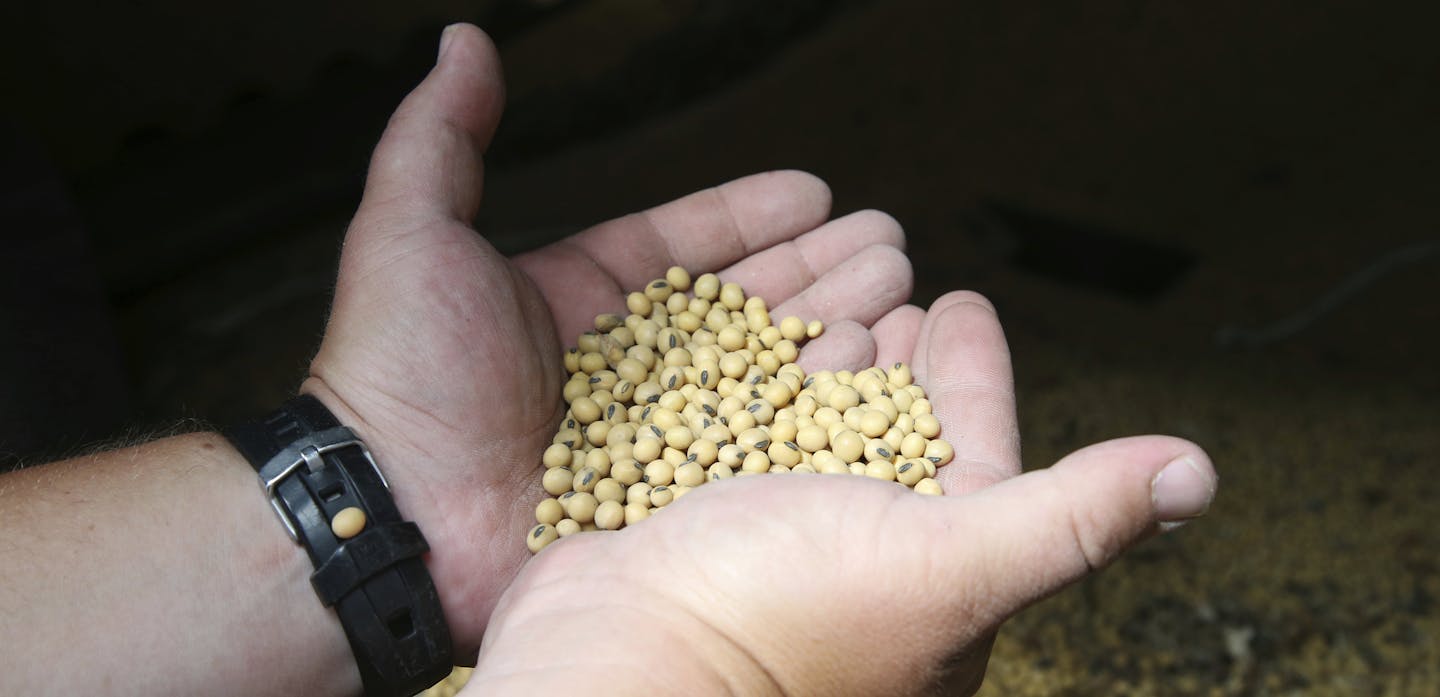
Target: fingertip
[[788, 200], [898, 278], [478, 100], [895, 335], [959, 297], [1184, 488], [1130, 487], [845, 345], [883, 227], [428, 161], [805, 186], [1046, 529], [964, 345], [963, 360]]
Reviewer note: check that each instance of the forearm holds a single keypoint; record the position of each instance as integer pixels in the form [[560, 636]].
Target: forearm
[[158, 569]]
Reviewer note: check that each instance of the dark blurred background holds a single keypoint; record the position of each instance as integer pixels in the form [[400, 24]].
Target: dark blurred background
[[1216, 220]]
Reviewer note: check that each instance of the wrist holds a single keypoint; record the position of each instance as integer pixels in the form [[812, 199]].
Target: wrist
[[271, 562], [322, 482], [468, 588]]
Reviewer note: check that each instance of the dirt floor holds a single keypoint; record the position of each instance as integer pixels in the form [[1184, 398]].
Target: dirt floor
[[1125, 181]]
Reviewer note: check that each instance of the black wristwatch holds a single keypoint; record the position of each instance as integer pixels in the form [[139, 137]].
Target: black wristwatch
[[311, 469]]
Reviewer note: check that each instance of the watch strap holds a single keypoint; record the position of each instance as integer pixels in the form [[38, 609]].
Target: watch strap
[[311, 468]]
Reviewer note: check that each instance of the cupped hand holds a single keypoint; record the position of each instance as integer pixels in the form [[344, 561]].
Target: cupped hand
[[445, 356], [792, 584]]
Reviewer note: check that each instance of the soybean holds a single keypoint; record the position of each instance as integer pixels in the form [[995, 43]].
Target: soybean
[[348, 522]]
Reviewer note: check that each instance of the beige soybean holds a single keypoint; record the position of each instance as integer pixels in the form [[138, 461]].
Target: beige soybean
[[647, 449], [880, 469], [556, 455], [581, 507], [690, 474], [627, 472], [873, 423], [784, 453], [707, 286], [659, 473], [732, 296], [894, 438], [877, 449], [704, 452], [811, 438], [585, 479], [661, 496], [674, 457], [843, 397], [658, 291], [557, 480], [598, 460], [927, 425], [792, 328], [910, 471], [348, 522], [549, 512], [609, 489], [783, 429], [755, 462], [638, 303], [636, 512], [678, 278], [913, 445], [639, 492], [540, 536], [939, 452], [609, 515], [847, 445]]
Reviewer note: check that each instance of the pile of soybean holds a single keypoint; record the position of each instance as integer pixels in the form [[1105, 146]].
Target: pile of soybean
[[701, 386]]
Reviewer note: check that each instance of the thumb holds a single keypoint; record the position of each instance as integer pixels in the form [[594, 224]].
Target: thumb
[[1046, 529], [428, 162]]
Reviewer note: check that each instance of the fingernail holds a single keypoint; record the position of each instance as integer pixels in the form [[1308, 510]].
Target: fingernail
[[1180, 492], [445, 38]]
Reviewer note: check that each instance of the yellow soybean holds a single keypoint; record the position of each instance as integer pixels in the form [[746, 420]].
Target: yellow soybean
[[348, 522]]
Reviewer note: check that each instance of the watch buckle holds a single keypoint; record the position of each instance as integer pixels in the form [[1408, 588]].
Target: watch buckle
[[307, 451]]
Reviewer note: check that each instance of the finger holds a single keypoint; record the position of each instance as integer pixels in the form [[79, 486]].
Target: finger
[[862, 288], [845, 345], [784, 270], [427, 164], [932, 313], [706, 230], [1046, 529], [964, 364], [896, 334]]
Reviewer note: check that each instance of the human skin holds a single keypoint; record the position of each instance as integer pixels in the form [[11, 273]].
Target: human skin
[[160, 568]]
